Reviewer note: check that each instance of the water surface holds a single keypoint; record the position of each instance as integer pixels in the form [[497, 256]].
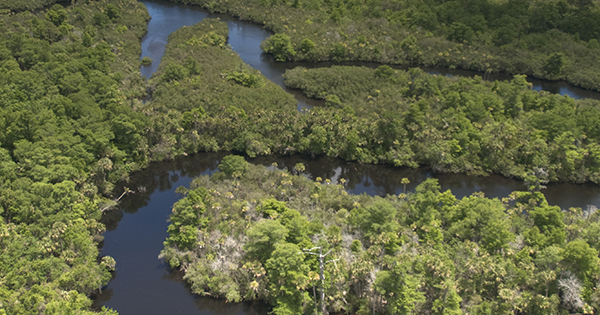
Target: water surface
[[143, 284]]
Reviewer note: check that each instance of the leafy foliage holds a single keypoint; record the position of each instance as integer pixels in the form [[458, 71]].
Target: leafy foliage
[[280, 46], [546, 39], [402, 118], [72, 124], [423, 252], [68, 133], [459, 124], [186, 219]]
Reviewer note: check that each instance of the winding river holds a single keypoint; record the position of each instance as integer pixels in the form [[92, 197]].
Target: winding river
[[143, 284]]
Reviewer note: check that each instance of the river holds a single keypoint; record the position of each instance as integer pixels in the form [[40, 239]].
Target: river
[[143, 284]]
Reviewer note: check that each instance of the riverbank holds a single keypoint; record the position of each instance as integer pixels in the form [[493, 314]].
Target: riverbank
[[312, 32], [44, 160], [206, 99], [145, 286], [463, 125], [69, 81], [245, 233]]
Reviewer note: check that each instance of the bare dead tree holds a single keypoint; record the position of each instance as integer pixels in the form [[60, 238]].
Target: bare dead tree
[[570, 287], [113, 203], [322, 264], [589, 211]]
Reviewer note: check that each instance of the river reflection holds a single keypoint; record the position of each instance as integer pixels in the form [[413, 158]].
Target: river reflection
[[383, 180], [245, 39], [143, 284]]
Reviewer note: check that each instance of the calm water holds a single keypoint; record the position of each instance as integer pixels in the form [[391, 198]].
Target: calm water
[[244, 38], [143, 284], [556, 87]]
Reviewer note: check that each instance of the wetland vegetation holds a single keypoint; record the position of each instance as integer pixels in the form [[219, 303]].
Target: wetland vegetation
[[249, 232], [73, 124], [546, 39]]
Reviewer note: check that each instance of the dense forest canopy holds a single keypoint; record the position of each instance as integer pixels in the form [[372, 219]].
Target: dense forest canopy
[[247, 232], [69, 81], [461, 124], [72, 124], [27, 5], [205, 98], [545, 39]]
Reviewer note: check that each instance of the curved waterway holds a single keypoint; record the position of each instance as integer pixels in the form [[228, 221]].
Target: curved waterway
[[143, 284], [245, 38]]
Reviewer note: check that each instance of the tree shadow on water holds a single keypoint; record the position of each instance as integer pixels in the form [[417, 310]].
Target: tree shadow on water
[[215, 306]]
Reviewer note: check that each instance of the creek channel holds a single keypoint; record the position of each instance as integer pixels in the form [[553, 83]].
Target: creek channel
[[143, 284]]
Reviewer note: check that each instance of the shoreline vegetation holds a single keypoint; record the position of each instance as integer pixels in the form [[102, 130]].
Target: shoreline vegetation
[[249, 232], [69, 131], [72, 124], [464, 125], [17, 6], [552, 40], [206, 99], [245, 233]]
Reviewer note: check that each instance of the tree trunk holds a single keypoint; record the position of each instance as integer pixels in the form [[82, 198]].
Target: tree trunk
[[315, 296], [322, 276]]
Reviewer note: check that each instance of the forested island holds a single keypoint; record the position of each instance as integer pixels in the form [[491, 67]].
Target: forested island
[[383, 116], [73, 123], [552, 40], [249, 232]]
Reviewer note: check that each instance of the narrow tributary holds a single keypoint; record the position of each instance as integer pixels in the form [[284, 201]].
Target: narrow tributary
[[145, 285]]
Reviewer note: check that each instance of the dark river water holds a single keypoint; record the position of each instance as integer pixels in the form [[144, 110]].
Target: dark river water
[[144, 284]]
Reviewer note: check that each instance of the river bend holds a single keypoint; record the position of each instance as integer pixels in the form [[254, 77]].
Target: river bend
[[143, 284]]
